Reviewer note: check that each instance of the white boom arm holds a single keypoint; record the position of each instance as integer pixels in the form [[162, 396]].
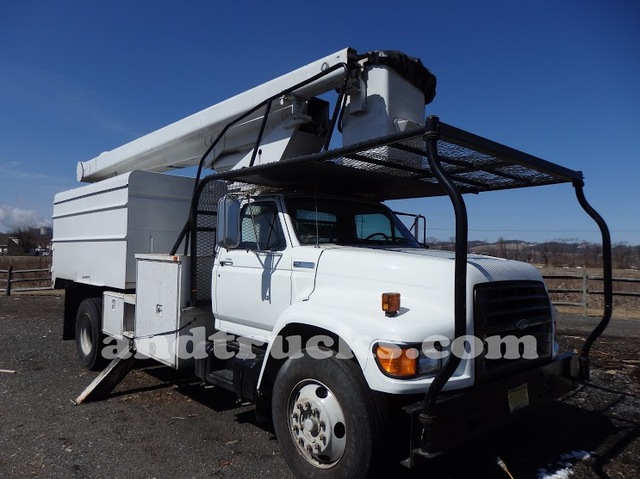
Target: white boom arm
[[181, 144], [387, 93]]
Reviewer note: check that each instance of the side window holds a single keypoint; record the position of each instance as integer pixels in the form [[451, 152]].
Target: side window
[[375, 227], [315, 226], [260, 228]]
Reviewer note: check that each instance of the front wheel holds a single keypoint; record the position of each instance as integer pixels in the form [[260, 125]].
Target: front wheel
[[328, 423], [89, 337]]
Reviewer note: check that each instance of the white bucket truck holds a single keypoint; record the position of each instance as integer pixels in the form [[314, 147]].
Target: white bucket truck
[[283, 277]]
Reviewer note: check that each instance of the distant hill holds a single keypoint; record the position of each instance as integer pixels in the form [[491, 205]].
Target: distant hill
[[557, 253]]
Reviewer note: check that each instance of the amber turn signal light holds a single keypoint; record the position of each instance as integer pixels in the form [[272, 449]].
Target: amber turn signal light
[[390, 303], [396, 361]]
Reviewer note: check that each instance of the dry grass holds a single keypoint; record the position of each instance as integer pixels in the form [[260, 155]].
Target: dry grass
[[624, 307], [19, 263]]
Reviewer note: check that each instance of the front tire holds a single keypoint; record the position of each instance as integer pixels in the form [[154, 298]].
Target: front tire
[[328, 423], [89, 337]]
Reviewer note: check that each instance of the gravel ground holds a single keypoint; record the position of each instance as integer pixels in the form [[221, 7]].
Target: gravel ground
[[161, 424]]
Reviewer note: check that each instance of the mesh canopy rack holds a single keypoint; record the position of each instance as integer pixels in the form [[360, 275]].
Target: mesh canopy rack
[[434, 160], [397, 166]]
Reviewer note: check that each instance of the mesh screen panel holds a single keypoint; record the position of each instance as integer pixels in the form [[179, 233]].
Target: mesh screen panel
[[204, 238]]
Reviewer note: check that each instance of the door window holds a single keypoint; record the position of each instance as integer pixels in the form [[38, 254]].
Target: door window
[[260, 228]]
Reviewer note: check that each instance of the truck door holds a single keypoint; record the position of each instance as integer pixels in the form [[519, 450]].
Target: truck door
[[252, 283]]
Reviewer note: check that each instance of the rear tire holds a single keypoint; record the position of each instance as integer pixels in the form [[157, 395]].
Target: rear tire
[[327, 421], [89, 337]]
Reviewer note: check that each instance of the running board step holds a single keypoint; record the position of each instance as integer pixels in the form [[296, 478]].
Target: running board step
[[222, 378], [237, 374]]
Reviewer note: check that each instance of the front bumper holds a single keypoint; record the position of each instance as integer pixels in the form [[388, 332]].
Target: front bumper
[[473, 412]]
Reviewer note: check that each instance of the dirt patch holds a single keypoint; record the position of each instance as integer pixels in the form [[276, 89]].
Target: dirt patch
[[159, 423]]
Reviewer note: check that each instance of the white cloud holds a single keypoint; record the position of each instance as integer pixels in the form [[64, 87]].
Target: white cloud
[[12, 217]]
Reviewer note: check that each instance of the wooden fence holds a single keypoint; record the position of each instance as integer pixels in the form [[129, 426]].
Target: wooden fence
[[582, 287], [10, 276]]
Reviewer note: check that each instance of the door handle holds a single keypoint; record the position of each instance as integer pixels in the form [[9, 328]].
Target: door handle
[[226, 262]]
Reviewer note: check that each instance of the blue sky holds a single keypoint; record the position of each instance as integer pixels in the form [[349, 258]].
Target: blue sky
[[556, 79]]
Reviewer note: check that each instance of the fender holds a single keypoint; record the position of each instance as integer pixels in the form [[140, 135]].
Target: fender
[[357, 331]]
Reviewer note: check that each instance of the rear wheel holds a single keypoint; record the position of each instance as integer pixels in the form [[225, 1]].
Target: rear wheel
[[89, 337], [328, 423]]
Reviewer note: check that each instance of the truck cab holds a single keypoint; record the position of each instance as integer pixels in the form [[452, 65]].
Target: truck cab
[[327, 264], [281, 241]]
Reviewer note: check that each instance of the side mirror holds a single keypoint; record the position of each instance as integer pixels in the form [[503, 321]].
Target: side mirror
[[228, 231]]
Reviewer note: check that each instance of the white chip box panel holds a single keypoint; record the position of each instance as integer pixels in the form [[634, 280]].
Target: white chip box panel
[[99, 228]]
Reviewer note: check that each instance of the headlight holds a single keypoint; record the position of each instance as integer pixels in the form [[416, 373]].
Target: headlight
[[407, 361]]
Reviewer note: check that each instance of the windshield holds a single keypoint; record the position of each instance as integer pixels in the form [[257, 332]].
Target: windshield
[[323, 220]]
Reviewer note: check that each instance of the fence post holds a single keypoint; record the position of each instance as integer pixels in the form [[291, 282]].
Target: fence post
[[8, 290], [585, 291]]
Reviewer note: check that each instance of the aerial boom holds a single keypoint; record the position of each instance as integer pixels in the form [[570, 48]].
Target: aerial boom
[[181, 144], [384, 92]]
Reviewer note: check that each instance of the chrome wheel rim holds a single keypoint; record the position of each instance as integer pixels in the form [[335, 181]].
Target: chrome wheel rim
[[317, 423]]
